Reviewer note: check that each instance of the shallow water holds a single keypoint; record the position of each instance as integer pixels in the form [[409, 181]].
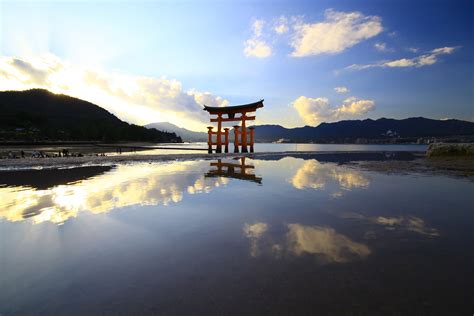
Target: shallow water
[[270, 147], [288, 236]]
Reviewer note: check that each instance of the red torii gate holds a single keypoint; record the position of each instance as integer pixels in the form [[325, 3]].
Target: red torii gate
[[241, 131]]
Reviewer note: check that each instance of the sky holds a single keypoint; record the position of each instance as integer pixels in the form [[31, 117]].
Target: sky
[[311, 61]]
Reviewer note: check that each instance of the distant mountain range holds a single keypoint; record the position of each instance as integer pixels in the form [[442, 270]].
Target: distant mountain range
[[346, 131], [185, 134], [37, 115], [354, 130]]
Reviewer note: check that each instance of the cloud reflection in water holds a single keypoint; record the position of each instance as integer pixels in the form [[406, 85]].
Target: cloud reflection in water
[[314, 175], [126, 185], [404, 223], [323, 242], [253, 233]]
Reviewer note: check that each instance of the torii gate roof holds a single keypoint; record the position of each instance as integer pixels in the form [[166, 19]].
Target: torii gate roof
[[251, 107]]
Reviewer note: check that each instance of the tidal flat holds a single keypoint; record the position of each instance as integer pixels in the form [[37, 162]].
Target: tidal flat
[[269, 233]]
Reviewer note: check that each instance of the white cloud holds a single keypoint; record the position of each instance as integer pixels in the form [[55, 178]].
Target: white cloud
[[207, 98], [413, 49], [281, 25], [339, 31], [427, 59], [34, 71], [400, 63], [313, 110], [316, 110], [256, 46], [443, 50], [138, 99], [341, 89], [353, 107], [382, 47], [257, 27]]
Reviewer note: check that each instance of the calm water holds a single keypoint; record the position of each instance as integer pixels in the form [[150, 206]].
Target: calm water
[[270, 147], [288, 236]]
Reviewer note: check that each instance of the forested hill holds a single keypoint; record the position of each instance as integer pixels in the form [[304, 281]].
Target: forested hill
[[37, 115]]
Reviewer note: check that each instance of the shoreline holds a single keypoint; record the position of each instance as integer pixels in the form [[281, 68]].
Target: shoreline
[[124, 158], [378, 161], [135, 148]]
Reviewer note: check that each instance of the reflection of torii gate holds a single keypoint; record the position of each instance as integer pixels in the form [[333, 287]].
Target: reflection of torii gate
[[230, 111], [228, 170]]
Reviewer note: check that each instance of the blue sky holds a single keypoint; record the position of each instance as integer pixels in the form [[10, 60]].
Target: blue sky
[[159, 61]]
